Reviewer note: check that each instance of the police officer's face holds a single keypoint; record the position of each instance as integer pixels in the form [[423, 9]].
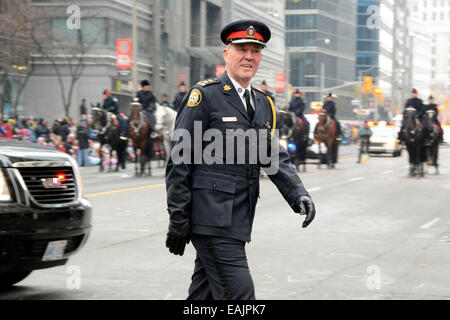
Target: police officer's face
[[242, 60]]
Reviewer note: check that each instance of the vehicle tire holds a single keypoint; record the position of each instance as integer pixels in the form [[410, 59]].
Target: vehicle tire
[[10, 278]]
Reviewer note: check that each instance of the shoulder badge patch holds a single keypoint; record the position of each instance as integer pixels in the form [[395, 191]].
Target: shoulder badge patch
[[195, 98]]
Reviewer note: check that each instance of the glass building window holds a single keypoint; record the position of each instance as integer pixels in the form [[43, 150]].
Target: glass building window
[[299, 22]]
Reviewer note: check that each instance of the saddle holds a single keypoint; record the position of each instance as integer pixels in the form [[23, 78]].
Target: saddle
[[114, 119], [300, 123]]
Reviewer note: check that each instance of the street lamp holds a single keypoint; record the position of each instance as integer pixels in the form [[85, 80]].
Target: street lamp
[[322, 67]]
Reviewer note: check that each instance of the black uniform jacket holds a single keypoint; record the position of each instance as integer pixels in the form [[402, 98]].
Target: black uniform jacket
[[148, 100], [433, 107], [111, 105], [418, 105], [330, 106], [220, 199], [297, 106]]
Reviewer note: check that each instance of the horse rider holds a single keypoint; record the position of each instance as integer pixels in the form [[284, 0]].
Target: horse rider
[[111, 104], [330, 107], [297, 106], [265, 89], [213, 204], [432, 106], [148, 101], [416, 103]]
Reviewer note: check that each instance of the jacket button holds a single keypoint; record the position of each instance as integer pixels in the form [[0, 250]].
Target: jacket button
[[214, 186]]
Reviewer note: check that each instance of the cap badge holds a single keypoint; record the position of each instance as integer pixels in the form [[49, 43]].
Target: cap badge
[[251, 31]]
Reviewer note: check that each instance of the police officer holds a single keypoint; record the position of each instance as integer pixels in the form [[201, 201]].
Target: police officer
[[148, 101], [433, 106], [111, 104], [265, 89], [213, 204], [179, 96], [297, 106], [416, 103], [330, 107]]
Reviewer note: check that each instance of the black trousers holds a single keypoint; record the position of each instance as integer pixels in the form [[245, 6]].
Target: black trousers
[[221, 270]]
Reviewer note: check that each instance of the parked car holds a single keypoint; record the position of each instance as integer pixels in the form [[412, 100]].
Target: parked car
[[43, 217]]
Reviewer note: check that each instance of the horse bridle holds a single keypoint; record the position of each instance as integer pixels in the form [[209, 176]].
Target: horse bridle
[[141, 123], [108, 121]]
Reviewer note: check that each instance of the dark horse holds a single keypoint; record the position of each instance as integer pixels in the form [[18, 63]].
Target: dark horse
[[326, 133], [414, 136], [294, 129], [139, 131], [433, 148], [108, 134]]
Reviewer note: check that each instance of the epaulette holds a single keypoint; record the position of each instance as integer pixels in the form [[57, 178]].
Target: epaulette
[[208, 82], [261, 92]]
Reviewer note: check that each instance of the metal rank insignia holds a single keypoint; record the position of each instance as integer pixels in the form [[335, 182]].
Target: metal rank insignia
[[195, 98], [227, 88], [204, 83]]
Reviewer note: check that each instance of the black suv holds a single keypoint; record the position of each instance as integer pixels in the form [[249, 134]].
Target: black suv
[[43, 217]]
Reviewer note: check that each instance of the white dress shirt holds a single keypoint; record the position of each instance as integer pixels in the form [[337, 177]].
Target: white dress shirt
[[240, 90]]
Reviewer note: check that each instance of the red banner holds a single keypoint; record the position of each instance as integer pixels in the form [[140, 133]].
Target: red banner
[[280, 82], [124, 54], [220, 70]]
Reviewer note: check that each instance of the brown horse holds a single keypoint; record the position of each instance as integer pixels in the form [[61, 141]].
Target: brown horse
[[326, 133], [139, 131]]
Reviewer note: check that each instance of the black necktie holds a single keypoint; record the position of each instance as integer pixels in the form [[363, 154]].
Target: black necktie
[[250, 111]]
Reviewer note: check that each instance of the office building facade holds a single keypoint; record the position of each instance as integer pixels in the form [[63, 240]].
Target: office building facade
[[321, 49]]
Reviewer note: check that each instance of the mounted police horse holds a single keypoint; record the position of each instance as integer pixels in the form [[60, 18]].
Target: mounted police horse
[[327, 133], [107, 131], [139, 131], [165, 123], [294, 129], [414, 136], [433, 148]]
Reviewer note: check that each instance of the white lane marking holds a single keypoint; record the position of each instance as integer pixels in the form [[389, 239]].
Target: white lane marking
[[356, 179], [314, 189], [387, 171], [429, 224]]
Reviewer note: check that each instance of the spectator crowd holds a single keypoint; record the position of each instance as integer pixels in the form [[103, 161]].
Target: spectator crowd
[[66, 135]]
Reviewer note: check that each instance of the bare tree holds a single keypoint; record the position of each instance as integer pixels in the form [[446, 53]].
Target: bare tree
[[15, 50], [66, 50]]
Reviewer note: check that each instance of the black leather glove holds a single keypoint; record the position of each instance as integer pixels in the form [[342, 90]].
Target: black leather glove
[[178, 235], [305, 206]]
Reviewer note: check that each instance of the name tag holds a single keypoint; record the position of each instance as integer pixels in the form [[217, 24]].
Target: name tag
[[229, 119]]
